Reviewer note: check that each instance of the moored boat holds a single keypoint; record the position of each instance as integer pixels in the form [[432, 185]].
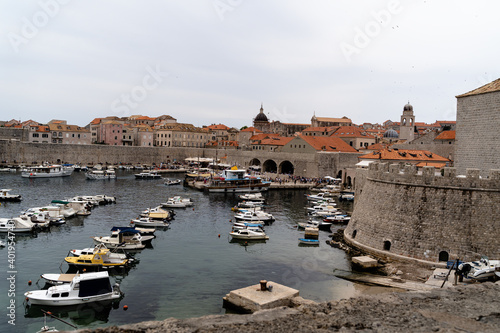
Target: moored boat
[[249, 234], [101, 258], [177, 202], [84, 288], [45, 171], [16, 224], [172, 182], [252, 216], [307, 241], [147, 175], [126, 239], [149, 222], [236, 181], [6, 196]]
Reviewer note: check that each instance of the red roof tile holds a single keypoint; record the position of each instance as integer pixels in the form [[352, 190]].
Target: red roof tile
[[328, 143], [446, 135]]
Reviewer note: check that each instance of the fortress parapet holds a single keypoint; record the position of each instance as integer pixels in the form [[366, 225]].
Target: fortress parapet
[[430, 176], [426, 215]]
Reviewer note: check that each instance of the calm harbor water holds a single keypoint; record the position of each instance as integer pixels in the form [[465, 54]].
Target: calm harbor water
[[188, 269]]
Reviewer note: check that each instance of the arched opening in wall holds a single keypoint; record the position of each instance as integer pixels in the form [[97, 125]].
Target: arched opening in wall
[[387, 245], [339, 174], [354, 233], [348, 182], [255, 164], [269, 166], [404, 122], [286, 167], [444, 256]]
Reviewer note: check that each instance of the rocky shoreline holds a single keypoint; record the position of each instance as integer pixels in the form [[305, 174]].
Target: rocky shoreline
[[471, 308]]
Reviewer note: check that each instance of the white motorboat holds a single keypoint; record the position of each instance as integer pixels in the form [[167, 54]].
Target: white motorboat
[[6, 196], [252, 197], [56, 278], [148, 175], [173, 182], [250, 204], [123, 238], [16, 224], [347, 196], [45, 171], [155, 210], [253, 216], [100, 174], [76, 207], [248, 234], [319, 196], [322, 225], [323, 210], [323, 206], [177, 202], [480, 270], [84, 288], [149, 222], [44, 216], [337, 218], [247, 225]]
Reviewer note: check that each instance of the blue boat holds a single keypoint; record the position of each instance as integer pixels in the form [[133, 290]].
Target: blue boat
[[308, 241]]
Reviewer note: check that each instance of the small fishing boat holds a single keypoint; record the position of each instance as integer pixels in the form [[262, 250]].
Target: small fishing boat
[[101, 258], [149, 222], [56, 278], [99, 174], [84, 288], [6, 196], [252, 216], [169, 182], [337, 218], [252, 197], [16, 224], [126, 239], [306, 241], [245, 225], [248, 234], [178, 202], [148, 175]]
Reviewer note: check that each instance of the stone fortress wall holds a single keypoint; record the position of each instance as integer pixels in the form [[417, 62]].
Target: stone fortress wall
[[477, 135], [308, 165], [425, 216]]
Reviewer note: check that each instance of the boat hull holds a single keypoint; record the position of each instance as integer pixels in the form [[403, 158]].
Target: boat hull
[[36, 298]]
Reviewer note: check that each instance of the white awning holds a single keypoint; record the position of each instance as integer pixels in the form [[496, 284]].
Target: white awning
[[364, 163]]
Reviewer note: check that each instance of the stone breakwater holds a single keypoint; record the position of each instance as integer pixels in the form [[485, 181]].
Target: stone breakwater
[[425, 217], [472, 308]]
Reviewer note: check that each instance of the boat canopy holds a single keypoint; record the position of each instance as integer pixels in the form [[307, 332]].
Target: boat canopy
[[60, 202], [94, 287], [122, 230]]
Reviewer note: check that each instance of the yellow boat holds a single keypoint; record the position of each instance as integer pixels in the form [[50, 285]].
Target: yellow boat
[[100, 258]]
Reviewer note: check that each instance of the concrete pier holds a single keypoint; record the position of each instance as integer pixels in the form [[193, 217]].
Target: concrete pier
[[254, 298], [365, 261]]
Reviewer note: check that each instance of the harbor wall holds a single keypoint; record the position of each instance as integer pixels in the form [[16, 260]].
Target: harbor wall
[[13, 152], [426, 216]]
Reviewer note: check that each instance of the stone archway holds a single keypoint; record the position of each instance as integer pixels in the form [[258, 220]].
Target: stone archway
[[286, 167], [255, 164], [270, 166]]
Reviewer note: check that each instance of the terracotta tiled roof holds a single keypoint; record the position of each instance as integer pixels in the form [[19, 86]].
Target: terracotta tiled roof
[[446, 135], [487, 88], [437, 165], [352, 132], [377, 146], [96, 121], [218, 127], [404, 155], [251, 129], [263, 136], [276, 141], [328, 143]]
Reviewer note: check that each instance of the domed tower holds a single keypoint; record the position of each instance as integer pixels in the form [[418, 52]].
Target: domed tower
[[407, 126], [260, 121]]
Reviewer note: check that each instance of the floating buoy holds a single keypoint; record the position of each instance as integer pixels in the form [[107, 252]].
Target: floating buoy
[[29, 283], [193, 209], [84, 269], [125, 307], [219, 235], [246, 243]]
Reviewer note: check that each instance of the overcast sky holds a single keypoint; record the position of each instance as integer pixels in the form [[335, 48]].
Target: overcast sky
[[216, 61]]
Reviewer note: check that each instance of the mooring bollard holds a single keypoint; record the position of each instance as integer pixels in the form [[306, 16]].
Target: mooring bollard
[[263, 285]]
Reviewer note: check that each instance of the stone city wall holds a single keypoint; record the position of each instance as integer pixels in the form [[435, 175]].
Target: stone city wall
[[307, 165], [477, 135], [425, 216]]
